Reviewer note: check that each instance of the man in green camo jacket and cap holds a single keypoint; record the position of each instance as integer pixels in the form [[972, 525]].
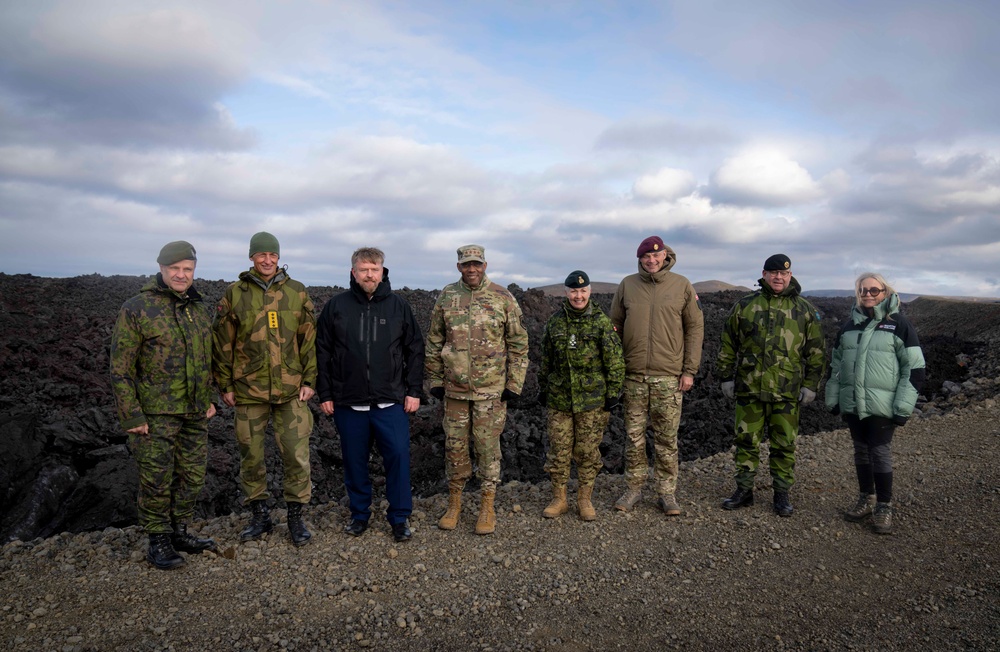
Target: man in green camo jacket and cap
[[264, 359], [580, 379], [476, 357], [161, 364], [771, 361]]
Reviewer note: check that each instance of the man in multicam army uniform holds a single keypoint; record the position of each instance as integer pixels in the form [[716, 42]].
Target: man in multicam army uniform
[[771, 361], [580, 379], [476, 360], [161, 373], [658, 315], [264, 359]]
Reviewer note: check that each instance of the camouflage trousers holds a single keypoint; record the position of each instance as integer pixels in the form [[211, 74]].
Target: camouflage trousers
[[781, 423], [293, 423], [482, 422], [658, 399], [172, 459], [577, 436]]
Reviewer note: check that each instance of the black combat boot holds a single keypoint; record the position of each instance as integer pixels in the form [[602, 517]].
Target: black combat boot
[[296, 526], [260, 521], [161, 554], [782, 506], [740, 498], [183, 541]]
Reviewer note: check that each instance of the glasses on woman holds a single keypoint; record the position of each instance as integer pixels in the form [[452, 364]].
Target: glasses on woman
[[871, 292]]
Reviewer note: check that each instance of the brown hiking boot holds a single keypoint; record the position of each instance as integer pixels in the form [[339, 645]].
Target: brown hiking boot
[[583, 503], [882, 518], [558, 506], [450, 519], [669, 505], [487, 523], [628, 499], [864, 507]]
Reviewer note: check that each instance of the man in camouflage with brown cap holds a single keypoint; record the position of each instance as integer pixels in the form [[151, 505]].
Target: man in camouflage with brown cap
[[771, 361], [658, 315], [265, 365], [161, 374], [476, 360]]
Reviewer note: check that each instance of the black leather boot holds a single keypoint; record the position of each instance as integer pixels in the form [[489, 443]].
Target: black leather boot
[[183, 541], [161, 554], [296, 526], [740, 498], [782, 506], [260, 521]]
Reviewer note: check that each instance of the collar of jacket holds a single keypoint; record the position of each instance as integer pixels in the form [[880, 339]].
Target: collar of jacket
[[658, 277], [884, 308], [156, 284], [381, 291], [251, 275], [483, 284], [793, 289], [573, 313]]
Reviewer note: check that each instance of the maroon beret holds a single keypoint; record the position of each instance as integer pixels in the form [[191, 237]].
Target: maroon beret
[[652, 243]]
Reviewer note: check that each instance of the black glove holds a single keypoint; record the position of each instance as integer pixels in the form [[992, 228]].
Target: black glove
[[836, 410], [898, 420], [543, 397], [508, 395], [438, 393], [610, 403]]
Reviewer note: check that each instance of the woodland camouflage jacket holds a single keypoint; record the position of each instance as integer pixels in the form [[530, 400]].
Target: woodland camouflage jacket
[[772, 345], [161, 359], [477, 345], [264, 346], [582, 363]]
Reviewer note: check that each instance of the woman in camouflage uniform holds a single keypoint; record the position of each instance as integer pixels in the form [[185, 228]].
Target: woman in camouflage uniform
[[580, 379]]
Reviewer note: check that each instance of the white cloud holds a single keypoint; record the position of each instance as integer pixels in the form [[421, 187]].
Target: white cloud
[[763, 177], [666, 183]]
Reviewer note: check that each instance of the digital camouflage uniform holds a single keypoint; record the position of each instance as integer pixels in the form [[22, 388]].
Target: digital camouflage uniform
[[161, 376], [581, 369], [660, 321], [476, 347], [772, 346], [265, 351]]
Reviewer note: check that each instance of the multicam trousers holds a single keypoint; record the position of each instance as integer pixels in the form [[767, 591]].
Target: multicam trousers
[[482, 421], [780, 421], [172, 459], [577, 436], [658, 399], [293, 423]]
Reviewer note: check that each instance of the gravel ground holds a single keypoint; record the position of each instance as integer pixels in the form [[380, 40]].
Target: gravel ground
[[709, 579]]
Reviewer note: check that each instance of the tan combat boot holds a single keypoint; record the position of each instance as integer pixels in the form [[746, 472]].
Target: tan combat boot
[[487, 522], [558, 506], [450, 519], [583, 504]]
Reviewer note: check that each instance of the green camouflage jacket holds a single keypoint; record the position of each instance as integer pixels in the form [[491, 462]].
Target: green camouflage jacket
[[161, 358], [582, 363], [772, 345], [477, 345], [264, 346]]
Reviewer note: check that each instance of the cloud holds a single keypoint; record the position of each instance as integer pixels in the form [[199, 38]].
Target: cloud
[[763, 177], [667, 183], [663, 134]]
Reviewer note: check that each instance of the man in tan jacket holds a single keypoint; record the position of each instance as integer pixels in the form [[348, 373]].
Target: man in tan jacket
[[659, 318]]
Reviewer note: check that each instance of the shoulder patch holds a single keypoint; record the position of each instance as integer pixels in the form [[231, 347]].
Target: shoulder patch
[[886, 326]]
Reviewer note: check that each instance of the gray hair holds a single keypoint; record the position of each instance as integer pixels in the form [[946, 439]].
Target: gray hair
[[368, 255]]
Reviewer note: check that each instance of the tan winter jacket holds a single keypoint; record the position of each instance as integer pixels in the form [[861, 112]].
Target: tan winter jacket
[[659, 319]]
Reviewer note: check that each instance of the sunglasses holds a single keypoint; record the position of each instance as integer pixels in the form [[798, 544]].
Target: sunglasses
[[872, 292]]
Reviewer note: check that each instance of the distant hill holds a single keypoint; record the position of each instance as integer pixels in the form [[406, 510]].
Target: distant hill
[[905, 297]]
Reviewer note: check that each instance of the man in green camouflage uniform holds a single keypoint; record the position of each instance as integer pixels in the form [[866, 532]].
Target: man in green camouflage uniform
[[658, 316], [265, 365], [771, 361], [161, 374], [476, 360], [579, 380]]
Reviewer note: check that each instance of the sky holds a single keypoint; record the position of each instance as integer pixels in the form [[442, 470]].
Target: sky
[[851, 136]]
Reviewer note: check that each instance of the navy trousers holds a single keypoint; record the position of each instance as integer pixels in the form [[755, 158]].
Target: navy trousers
[[389, 429]]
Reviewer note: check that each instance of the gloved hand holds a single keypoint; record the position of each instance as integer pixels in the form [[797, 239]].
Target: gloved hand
[[508, 395], [543, 397], [729, 389], [806, 396], [438, 393], [898, 420], [610, 403]]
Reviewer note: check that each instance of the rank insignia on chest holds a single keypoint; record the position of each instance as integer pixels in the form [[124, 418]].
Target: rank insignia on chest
[[272, 318], [572, 341]]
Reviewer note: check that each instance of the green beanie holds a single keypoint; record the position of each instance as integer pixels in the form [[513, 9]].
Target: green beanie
[[264, 241], [174, 252]]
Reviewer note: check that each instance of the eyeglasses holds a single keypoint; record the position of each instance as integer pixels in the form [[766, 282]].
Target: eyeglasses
[[781, 273], [872, 292]]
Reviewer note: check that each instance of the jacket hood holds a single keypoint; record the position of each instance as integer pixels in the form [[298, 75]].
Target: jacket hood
[[886, 307], [670, 261], [156, 284], [793, 289], [382, 291]]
